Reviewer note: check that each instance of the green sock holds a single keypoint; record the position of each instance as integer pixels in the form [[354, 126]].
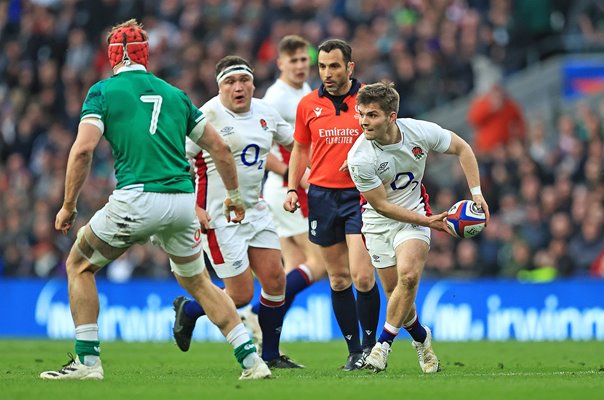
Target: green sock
[[243, 351], [87, 348]]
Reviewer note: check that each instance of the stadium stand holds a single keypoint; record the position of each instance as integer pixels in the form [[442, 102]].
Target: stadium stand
[[546, 191]]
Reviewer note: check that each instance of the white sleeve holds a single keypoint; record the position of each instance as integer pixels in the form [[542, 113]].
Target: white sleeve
[[437, 138], [284, 133], [364, 176], [192, 148]]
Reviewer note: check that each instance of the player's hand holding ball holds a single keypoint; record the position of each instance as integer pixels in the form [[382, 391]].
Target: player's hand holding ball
[[465, 219]]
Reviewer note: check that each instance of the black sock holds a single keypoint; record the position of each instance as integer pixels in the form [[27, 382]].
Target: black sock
[[368, 309], [343, 304]]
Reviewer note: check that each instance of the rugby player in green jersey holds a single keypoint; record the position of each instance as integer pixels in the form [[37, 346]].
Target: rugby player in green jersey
[[146, 121]]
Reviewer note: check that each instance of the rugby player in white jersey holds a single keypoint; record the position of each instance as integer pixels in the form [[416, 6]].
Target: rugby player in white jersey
[[249, 126], [303, 264], [387, 164]]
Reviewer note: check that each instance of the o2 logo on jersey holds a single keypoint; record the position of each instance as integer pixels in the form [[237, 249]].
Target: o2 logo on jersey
[[250, 155], [402, 180]]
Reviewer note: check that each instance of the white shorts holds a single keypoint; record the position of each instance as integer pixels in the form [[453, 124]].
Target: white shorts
[[132, 217], [287, 224], [227, 246], [383, 238]]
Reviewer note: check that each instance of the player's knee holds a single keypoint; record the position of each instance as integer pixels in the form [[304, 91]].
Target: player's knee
[[340, 281], [242, 296], [273, 281], [408, 280], [363, 281]]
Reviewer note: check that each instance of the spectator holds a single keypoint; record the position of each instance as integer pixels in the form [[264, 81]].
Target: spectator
[[497, 119]]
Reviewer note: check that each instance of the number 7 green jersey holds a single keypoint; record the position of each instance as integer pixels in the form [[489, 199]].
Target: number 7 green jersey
[[146, 121]]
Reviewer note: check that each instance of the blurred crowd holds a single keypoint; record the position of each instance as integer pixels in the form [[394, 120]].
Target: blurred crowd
[[546, 199], [545, 188]]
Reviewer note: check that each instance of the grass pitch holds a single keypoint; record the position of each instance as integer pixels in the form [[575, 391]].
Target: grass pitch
[[476, 370]]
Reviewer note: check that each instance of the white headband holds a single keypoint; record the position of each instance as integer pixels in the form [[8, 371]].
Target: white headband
[[234, 70]]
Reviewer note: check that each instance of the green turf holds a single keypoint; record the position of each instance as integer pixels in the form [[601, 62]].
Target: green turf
[[478, 370]]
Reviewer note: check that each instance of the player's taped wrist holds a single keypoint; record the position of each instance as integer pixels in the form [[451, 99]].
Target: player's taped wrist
[[235, 196], [475, 191]]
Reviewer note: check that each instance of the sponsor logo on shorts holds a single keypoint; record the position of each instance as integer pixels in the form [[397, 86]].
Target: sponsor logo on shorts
[[376, 258], [238, 264], [313, 227]]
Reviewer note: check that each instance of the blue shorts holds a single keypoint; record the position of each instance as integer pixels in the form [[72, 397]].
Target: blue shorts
[[332, 214]]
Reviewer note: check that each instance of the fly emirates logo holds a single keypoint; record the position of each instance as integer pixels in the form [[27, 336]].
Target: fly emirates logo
[[339, 136]]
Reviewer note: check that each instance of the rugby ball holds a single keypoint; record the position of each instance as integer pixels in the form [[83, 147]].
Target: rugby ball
[[465, 219]]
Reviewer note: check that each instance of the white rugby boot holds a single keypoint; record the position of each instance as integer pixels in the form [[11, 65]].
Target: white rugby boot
[[74, 369], [258, 371], [377, 360], [427, 358]]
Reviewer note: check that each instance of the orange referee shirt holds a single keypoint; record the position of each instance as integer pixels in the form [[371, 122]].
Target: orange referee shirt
[[331, 131]]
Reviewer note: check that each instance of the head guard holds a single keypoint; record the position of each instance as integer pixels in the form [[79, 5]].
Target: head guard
[[128, 44]]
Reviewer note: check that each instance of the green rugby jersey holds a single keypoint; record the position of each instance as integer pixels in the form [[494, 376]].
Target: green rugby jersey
[[146, 121]]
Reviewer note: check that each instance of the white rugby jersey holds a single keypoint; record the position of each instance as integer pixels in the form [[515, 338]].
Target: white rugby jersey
[[284, 98], [399, 167], [250, 136]]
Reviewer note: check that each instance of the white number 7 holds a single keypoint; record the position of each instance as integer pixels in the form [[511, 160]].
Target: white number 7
[[156, 100]]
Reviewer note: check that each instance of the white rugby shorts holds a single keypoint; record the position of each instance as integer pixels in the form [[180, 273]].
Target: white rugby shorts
[[227, 246], [383, 238], [287, 224], [133, 217]]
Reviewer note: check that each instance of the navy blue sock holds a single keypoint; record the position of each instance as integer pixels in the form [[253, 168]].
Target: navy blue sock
[[387, 335], [295, 282], [193, 309], [271, 321], [417, 331], [344, 307], [368, 309]]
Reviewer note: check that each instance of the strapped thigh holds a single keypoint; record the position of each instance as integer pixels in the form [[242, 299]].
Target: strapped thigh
[[88, 252]]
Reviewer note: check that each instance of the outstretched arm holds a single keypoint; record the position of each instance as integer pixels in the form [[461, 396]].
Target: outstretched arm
[[78, 168], [468, 162]]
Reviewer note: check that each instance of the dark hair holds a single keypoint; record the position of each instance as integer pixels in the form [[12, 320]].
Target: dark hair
[[292, 43], [228, 61], [382, 93], [337, 44]]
